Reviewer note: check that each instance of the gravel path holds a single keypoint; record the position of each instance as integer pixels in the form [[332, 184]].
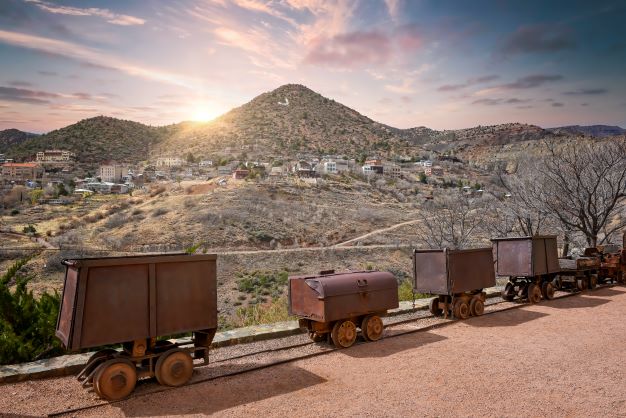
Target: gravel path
[[536, 360]]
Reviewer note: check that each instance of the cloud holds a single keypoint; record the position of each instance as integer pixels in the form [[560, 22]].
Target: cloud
[[586, 92], [494, 102], [393, 8], [532, 81], [106, 14], [557, 104], [18, 83], [350, 50], [91, 57], [451, 87], [406, 87], [538, 39], [13, 94], [47, 73], [469, 82], [409, 37]]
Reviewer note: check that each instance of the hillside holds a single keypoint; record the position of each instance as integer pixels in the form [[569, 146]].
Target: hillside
[[286, 121], [97, 139], [599, 131], [10, 138]]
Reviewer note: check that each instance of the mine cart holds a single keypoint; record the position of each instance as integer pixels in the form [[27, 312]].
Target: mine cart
[[530, 263], [135, 301], [612, 262], [578, 273], [456, 277], [333, 305]]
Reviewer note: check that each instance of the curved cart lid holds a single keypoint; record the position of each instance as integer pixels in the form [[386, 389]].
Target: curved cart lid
[[336, 284]]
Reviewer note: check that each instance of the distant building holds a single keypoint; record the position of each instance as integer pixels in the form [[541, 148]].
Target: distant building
[[392, 170], [169, 162], [112, 173], [224, 170], [434, 171], [369, 169], [205, 163], [240, 174], [55, 156], [304, 168], [277, 171], [20, 172]]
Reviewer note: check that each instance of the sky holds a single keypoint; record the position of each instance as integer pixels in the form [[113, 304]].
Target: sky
[[406, 63]]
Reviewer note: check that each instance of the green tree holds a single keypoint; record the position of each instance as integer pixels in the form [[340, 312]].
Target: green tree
[[35, 195], [27, 324]]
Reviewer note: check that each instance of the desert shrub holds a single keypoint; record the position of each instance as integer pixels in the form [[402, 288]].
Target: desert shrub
[[263, 284], [405, 291], [157, 190], [158, 212], [262, 313], [190, 203], [136, 212], [115, 221], [30, 229], [27, 325]]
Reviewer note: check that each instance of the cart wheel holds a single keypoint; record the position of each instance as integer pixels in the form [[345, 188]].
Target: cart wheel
[[593, 281], [534, 293], [174, 368], [461, 309], [580, 284], [508, 293], [372, 328], [344, 333], [317, 338], [434, 308], [115, 379], [557, 283], [477, 307], [96, 359], [547, 291]]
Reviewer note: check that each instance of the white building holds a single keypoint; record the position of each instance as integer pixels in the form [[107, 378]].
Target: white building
[[205, 163], [169, 162], [112, 173], [54, 156]]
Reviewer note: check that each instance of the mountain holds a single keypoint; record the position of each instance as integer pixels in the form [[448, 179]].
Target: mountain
[[97, 139], [9, 138], [599, 131], [291, 119]]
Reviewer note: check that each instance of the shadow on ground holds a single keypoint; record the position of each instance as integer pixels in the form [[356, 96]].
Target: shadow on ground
[[509, 318], [210, 397], [390, 346]]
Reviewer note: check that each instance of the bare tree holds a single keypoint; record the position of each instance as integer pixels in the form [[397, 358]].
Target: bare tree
[[451, 220], [584, 186]]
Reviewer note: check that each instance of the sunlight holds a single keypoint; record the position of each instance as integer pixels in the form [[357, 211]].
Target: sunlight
[[204, 113]]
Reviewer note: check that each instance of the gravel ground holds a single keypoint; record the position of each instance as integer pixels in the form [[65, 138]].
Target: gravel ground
[[556, 362]]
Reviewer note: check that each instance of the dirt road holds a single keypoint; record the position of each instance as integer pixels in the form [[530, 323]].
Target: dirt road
[[565, 358]]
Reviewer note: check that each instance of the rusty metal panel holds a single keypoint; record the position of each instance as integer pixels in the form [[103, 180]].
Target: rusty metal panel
[[430, 272], [540, 260], [186, 296], [471, 269], [122, 299], [552, 254], [342, 295], [65, 319], [513, 257], [116, 305]]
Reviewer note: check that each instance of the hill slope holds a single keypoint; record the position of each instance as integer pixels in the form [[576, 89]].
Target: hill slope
[[97, 139], [285, 121], [599, 131], [9, 138]]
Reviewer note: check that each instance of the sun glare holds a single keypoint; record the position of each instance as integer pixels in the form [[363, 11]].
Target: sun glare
[[204, 114]]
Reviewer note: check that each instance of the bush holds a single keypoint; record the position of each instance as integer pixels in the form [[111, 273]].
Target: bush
[[262, 313], [27, 325], [30, 229], [158, 212], [405, 291]]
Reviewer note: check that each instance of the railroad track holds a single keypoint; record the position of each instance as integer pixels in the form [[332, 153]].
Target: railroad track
[[393, 327]]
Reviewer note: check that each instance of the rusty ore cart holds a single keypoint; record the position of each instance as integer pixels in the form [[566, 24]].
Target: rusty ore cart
[[457, 277], [578, 273], [333, 305], [530, 263], [133, 301]]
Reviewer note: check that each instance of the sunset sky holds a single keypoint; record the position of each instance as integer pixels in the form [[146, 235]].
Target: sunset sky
[[440, 64]]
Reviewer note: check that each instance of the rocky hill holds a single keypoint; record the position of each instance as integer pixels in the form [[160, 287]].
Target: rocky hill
[[9, 138], [291, 119], [97, 139], [599, 131]]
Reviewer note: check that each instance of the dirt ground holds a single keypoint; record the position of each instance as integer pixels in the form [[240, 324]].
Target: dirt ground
[[565, 358]]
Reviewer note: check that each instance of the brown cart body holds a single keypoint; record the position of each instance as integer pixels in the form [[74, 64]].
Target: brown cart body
[[526, 256], [449, 272], [330, 297], [114, 300], [326, 301], [132, 301]]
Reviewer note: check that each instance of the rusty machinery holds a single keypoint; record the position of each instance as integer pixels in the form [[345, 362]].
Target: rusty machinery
[[456, 277], [133, 301], [333, 305]]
